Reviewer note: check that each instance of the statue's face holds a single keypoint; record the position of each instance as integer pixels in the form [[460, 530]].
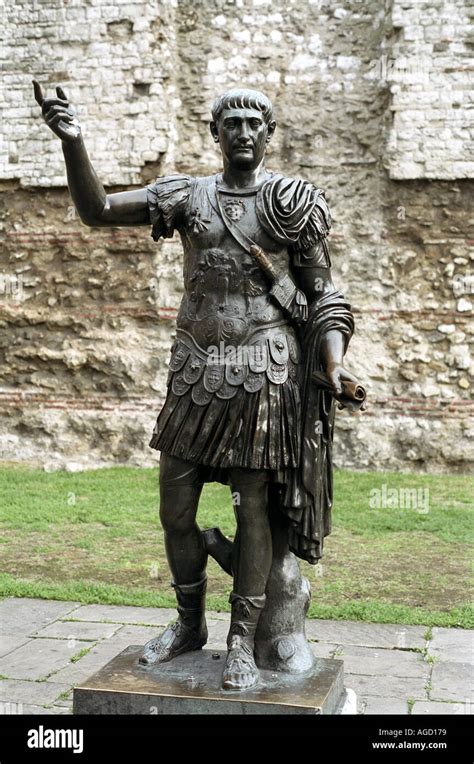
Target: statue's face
[[243, 135]]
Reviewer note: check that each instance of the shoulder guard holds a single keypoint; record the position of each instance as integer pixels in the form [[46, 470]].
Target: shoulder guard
[[293, 212], [167, 198]]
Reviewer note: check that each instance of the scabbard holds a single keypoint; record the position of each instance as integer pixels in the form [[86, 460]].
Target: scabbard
[[283, 289]]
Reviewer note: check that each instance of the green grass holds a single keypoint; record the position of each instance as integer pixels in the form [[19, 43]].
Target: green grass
[[95, 537], [80, 654]]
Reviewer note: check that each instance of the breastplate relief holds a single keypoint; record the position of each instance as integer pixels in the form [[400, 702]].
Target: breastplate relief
[[226, 292]]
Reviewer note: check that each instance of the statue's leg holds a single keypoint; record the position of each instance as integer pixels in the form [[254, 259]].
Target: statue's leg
[[180, 489], [280, 641], [252, 559]]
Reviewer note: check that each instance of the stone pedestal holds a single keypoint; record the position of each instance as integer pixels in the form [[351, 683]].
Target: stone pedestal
[[191, 684]]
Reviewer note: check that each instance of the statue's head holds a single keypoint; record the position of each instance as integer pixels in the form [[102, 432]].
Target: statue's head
[[242, 124]]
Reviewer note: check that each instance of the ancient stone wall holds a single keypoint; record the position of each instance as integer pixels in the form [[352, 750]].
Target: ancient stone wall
[[87, 315], [429, 69]]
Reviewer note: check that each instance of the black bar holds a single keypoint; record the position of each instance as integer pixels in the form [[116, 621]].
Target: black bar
[[144, 736]]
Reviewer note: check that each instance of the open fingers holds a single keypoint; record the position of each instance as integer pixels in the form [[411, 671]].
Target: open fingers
[[46, 103], [38, 93]]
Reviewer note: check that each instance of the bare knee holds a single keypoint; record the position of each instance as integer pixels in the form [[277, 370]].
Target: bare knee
[[177, 519], [180, 489]]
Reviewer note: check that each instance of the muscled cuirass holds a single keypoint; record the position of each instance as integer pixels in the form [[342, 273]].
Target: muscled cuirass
[[226, 294], [230, 330]]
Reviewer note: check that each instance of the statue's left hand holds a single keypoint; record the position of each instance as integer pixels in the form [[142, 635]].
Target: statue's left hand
[[336, 375]]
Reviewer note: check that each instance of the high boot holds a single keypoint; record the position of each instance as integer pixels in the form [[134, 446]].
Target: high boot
[[240, 671], [188, 633]]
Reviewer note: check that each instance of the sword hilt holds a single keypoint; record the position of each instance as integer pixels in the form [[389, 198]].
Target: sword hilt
[[264, 261]]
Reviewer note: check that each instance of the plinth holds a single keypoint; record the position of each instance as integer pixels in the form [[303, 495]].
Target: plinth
[[191, 684]]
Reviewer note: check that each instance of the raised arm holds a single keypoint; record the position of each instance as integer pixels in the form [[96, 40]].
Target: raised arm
[[95, 207]]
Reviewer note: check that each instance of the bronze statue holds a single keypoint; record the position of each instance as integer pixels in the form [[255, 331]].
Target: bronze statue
[[254, 371]]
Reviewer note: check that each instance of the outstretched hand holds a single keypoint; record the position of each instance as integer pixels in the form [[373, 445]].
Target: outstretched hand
[[58, 113]]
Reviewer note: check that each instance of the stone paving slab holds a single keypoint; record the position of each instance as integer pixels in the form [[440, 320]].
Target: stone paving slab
[[79, 630], [383, 662], [62, 710], [125, 614], [367, 634], [452, 645], [216, 644], [386, 686], [325, 650], [382, 665], [368, 705], [134, 635], [436, 707], [452, 681], [38, 659], [9, 642], [131, 634], [95, 659], [218, 620], [22, 616], [63, 703], [218, 630], [22, 691]]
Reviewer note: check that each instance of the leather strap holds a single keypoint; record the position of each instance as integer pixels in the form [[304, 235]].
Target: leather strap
[[241, 238], [279, 294]]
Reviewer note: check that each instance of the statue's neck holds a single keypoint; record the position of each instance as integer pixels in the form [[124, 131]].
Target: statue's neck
[[233, 177]]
